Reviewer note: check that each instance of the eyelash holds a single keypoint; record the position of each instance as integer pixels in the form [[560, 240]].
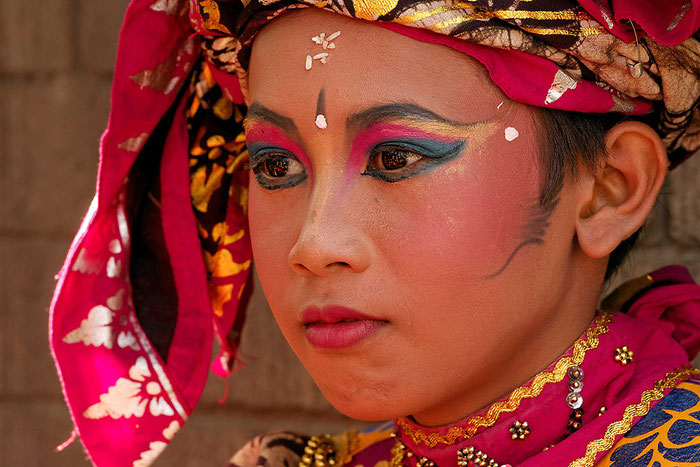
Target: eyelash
[[418, 161], [260, 165]]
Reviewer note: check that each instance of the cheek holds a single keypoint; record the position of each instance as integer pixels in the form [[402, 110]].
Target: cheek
[[273, 234], [468, 219]]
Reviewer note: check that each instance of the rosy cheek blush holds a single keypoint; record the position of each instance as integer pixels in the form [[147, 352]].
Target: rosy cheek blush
[[261, 136]]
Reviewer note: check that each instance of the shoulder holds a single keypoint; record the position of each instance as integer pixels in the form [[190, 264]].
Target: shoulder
[[669, 433], [284, 448]]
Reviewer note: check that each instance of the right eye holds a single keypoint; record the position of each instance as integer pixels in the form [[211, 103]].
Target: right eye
[[278, 166], [278, 170]]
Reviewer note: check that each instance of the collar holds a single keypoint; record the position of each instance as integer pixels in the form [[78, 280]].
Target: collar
[[628, 362]]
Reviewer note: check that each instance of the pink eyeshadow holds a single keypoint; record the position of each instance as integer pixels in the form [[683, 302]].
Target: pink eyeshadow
[[270, 134]]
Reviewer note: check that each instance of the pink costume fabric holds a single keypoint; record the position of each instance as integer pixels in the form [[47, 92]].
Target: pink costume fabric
[[660, 327], [129, 390], [658, 321]]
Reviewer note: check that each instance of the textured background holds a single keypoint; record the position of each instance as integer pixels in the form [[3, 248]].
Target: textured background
[[55, 70]]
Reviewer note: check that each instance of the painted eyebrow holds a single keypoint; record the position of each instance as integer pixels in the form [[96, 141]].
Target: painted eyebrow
[[378, 113], [258, 111], [355, 121]]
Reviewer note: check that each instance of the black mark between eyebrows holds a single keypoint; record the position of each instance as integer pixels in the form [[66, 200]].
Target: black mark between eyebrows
[[321, 103]]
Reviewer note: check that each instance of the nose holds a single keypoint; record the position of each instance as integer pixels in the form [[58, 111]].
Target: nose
[[331, 240]]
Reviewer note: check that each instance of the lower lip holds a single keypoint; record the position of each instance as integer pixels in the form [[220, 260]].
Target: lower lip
[[340, 335]]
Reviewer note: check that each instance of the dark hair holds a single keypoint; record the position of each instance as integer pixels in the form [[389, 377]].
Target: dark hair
[[573, 142]]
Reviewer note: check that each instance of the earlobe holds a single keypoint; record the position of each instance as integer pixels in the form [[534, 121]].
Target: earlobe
[[622, 191]]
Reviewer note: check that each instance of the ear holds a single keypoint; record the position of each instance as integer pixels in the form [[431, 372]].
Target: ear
[[622, 190]]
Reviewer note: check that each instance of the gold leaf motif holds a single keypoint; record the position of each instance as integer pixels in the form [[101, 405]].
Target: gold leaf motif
[[160, 78], [219, 295], [87, 263], [171, 430], [158, 406], [117, 301], [95, 329], [203, 187], [121, 400], [372, 9], [134, 144], [679, 16], [114, 268], [223, 108], [220, 231], [153, 388], [139, 370], [127, 339], [223, 265], [622, 105], [606, 14], [157, 447], [114, 246], [148, 457], [171, 7], [213, 16], [215, 140], [561, 83]]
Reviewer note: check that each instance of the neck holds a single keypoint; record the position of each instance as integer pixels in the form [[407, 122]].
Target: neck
[[520, 357]]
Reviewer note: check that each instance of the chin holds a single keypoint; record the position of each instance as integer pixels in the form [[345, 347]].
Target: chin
[[361, 403], [367, 412]]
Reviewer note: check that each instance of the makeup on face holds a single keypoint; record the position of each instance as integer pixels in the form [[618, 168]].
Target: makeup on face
[[511, 133], [408, 139], [395, 152], [337, 327], [320, 121], [276, 159], [326, 42], [391, 143]]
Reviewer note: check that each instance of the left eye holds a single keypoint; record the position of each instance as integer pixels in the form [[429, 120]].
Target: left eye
[[393, 158]]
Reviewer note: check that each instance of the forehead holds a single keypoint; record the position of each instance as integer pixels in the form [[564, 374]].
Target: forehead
[[369, 65]]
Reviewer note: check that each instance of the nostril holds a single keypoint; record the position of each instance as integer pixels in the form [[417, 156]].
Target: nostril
[[337, 264], [301, 269]]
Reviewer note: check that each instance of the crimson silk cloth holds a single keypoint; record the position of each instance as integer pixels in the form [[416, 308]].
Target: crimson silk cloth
[[128, 394]]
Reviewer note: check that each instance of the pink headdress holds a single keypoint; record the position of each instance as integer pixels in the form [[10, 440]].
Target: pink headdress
[[161, 264]]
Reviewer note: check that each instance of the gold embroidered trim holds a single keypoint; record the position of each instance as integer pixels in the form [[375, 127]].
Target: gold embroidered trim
[[631, 412], [513, 401]]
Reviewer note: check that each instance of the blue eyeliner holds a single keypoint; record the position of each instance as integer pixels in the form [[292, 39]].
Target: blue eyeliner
[[259, 153], [433, 154]]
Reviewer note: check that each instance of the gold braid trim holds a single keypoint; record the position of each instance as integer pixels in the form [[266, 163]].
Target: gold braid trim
[[631, 412], [513, 401]]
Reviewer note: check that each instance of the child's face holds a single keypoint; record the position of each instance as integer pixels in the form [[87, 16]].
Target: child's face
[[416, 208]]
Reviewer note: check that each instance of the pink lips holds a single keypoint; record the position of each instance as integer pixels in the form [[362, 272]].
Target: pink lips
[[337, 327]]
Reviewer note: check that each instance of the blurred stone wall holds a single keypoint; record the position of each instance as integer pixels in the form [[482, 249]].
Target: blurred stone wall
[[56, 60]]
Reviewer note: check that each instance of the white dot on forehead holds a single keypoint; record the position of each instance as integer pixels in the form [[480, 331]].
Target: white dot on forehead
[[321, 121], [511, 133]]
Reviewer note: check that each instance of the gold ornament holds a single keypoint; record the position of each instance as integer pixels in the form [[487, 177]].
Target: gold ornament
[[318, 452], [519, 430], [623, 355]]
